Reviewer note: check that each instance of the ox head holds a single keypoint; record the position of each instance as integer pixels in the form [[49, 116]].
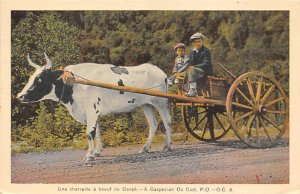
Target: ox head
[[40, 84]]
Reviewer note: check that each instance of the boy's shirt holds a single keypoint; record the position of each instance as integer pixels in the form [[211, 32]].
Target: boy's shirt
[[201, 58], [181, 63]]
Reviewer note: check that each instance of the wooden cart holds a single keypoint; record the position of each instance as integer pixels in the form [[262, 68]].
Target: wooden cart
[[254, 103]]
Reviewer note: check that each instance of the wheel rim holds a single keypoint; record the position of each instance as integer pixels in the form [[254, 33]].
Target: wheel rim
[[206, 123], [262, 109]]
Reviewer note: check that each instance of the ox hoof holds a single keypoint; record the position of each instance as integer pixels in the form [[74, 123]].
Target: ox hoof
[[88, 158], [166, 149], [97, 154], [144, 150]]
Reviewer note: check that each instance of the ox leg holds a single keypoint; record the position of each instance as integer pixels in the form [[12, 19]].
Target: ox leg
[[98, 141], [164, 112], [91, 134], [152, 121]]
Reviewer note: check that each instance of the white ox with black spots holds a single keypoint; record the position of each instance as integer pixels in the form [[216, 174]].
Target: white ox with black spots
[[86, 103]]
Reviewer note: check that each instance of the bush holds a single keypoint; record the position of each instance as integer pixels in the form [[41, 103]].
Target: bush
[[59, 130], [49, 131]]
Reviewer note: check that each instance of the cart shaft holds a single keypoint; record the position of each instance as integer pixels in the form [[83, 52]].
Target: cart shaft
[[151, 92]]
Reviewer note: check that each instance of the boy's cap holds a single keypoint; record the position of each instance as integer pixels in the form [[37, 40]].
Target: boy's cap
[[179, 45], [197, 35]]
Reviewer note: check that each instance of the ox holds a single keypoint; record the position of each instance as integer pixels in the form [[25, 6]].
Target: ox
[[86, 103]]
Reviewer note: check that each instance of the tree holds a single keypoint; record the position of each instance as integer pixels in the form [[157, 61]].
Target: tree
[[34, 35]]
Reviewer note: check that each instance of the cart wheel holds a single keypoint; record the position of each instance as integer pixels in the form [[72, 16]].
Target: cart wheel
[[206, 123], [261, 109]]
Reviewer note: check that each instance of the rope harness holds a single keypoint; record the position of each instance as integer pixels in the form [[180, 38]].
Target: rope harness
[[68, 80]]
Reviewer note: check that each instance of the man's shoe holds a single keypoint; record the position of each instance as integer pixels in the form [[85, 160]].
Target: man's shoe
[[191, 93]]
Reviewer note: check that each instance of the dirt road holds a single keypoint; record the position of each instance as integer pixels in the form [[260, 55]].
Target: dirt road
[[225, 162]]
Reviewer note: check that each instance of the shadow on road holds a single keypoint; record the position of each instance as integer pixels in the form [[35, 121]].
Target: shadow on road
[[194, 150], [191, 150], [284, 142]]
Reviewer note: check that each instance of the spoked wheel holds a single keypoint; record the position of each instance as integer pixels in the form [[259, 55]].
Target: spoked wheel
[[206, 123], [261, 109]]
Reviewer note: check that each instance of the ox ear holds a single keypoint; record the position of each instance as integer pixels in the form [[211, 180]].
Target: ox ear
[[32, 63], [48, 62]]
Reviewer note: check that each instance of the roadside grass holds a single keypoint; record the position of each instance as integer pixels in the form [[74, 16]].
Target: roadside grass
[[110, 139], [24, 147]]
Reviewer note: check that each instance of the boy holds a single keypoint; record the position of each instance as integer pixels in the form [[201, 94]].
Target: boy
[[181, 63], [200, 64]]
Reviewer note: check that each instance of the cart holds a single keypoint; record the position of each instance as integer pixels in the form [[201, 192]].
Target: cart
[[253, 105]]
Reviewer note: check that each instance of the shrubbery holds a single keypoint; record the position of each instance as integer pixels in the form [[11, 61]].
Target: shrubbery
[[58, 130], [49, 131]]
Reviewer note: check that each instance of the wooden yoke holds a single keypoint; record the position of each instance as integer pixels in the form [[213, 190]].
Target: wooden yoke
[[68, 78]]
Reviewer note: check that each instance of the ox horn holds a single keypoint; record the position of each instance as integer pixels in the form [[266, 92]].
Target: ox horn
[[48, 61], [32, 63]]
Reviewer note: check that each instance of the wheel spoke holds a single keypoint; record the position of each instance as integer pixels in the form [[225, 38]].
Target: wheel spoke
[[205, 127], [211, 126], [222, 114], [195, 116], [274, 101], [220, 123], [258, 91], [202, 112], [242, 105], [248, 125], [244, 96], [271, 122], [242, 116], [198, 123], [267, 94], [277, 112], [225, 115], [250, 89], [265, 128]]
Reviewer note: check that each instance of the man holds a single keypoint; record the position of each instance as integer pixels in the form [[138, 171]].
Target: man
[[200, 64]]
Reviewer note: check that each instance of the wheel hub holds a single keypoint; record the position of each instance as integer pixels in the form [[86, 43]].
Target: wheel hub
[[260, 109]]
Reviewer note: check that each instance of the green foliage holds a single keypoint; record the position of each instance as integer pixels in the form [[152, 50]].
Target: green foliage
[[243, 41], [123, 129], [50, 131], [254, 41], [35, 34]]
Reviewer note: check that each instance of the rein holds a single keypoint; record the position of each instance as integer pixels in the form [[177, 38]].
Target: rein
[[154, 87], [79, 76]]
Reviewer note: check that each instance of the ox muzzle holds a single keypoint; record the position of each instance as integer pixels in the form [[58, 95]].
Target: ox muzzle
[[22, 98]]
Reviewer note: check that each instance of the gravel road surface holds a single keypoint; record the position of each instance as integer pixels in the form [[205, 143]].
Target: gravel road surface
[[190, 163]]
